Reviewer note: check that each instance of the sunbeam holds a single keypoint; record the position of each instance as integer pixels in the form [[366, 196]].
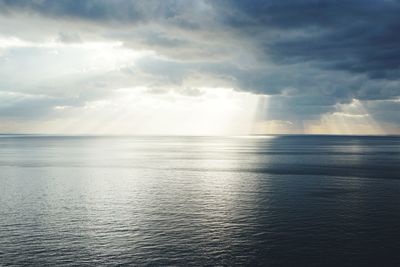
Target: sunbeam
[[214, 111], [352, 118]]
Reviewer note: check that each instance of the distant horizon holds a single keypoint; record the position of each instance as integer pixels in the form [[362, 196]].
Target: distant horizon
[[183, 135]]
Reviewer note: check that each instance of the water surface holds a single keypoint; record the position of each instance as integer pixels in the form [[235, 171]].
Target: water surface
[[192, 201]]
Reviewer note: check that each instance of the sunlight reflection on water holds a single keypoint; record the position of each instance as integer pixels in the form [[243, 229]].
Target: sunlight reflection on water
[[287, 200]]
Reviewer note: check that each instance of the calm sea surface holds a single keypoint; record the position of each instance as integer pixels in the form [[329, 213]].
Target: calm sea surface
[[194, 201]]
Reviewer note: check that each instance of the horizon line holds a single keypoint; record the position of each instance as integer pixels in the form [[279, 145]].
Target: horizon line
[[192, 135]]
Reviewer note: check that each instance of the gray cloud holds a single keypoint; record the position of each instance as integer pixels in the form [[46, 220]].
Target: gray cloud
[[356, 36], [311, 55]]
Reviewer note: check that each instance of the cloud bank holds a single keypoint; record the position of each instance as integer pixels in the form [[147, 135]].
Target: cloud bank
[[313, 59]]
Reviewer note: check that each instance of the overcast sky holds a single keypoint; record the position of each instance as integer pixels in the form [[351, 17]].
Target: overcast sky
[[200, 67]]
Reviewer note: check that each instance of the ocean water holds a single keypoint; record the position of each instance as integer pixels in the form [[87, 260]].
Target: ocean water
[[199, 201]]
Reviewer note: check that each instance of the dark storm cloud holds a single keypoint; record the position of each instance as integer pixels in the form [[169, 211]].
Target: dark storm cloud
[[103, 11], [89, 10], [359, 36]]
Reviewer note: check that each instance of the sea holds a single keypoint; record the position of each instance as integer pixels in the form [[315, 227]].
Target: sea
[[282, 200]]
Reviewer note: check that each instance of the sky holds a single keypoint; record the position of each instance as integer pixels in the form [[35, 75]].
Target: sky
[[200, 67]]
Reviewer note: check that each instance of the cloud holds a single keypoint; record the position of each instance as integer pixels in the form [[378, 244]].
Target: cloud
[[309, 55], [357, 37]]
